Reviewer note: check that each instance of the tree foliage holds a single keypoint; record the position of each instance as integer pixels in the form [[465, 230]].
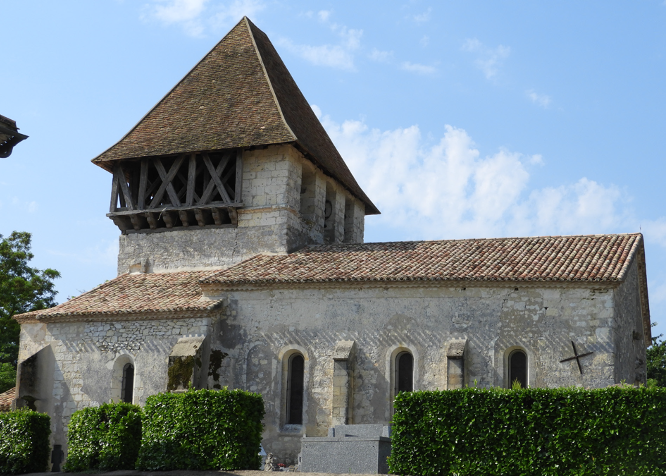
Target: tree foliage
[[656, 361], [22, 289]]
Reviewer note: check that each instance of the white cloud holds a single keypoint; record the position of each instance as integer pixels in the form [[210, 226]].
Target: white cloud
[[424, 41], [317, 110], [380, 56], [542, 100], [198, 16], [422, 17], [446, 189], [536, 159], [488, 59], [334, 56], [417, 68], [339, 56]]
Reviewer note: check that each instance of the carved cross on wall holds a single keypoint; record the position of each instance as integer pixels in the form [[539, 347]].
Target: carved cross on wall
[[577, 356]]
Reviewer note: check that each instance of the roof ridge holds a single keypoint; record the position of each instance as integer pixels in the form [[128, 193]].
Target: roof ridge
[[163, 98], [508, 238], [632, 254], [268, 79]]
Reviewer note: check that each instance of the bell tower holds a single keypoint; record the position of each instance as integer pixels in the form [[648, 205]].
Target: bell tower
[[232, 162]]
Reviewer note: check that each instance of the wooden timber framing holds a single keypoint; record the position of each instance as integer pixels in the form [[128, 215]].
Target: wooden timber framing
[[197, 189]]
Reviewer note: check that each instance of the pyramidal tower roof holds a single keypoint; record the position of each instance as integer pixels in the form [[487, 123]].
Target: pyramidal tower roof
[[239, 95]]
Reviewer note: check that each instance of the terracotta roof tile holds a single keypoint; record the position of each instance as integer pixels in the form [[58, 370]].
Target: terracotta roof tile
[[596, 258], [6, 399], [135, 293], [229, 100]]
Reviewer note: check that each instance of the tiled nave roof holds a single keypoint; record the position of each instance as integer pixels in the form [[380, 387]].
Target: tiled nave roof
[[544, 258], [554, 259], [6, 399], [154, 293]]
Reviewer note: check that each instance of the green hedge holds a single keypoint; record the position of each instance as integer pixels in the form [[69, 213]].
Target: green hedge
[[202, 429], [107, 438], [24, 442], [570, 431]]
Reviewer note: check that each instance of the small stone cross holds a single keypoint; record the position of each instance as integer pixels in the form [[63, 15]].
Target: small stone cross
[[577, 356]]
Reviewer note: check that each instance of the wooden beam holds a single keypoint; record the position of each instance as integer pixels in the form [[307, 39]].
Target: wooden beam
[[114, 194], [238, 189], [225, 181], [217, 216], [191, 175], [121, 222], [215, 176], [152, 220], [122, 180], [233, 216], [121, 197], [136, 221], [168, 218], [152, 187], [166, 182], [143, 183], [198, 214], [184, 189], [184, 218], [134, 181], [176, 209]]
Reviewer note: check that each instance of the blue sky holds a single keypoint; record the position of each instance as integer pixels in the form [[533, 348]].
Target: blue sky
[[458, 118]]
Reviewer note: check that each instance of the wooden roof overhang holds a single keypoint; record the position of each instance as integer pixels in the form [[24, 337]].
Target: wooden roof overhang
[[239, 96], [9, 136], [195, 189]]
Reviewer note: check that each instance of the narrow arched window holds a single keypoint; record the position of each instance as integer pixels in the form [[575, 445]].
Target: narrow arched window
[[404, 372], [518, 368], [127, 392], [295, 390]]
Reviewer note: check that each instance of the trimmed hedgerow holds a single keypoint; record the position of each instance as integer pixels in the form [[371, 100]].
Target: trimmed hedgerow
[[568, 431], [107, 437], [202, 429], [24, 442]]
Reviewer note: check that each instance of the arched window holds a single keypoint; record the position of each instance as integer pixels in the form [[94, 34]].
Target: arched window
[[295, 389], [127, 391], [404, 372], [518, 368]]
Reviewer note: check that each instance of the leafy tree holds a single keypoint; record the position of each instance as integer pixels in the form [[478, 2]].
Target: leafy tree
[[656, 361], [22, 289]]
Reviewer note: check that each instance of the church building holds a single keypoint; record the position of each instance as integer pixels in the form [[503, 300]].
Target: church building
[[242, 264]]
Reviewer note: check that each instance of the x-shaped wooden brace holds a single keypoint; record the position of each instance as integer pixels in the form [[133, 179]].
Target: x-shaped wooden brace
[[215, 182], [166, 182], [120, 180]]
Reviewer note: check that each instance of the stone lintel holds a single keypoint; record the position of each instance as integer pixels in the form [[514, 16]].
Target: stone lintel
[[455, 364], [344, 350]]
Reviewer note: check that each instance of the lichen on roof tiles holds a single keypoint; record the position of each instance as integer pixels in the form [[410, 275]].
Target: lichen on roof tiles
[[135, 293], [593, 258]]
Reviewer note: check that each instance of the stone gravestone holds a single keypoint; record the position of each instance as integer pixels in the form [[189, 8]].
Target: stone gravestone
[[347, 449]]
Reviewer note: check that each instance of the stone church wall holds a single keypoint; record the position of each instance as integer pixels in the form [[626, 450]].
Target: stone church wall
[[628, 335], [270, 221], [78, 370], [263, 327]]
